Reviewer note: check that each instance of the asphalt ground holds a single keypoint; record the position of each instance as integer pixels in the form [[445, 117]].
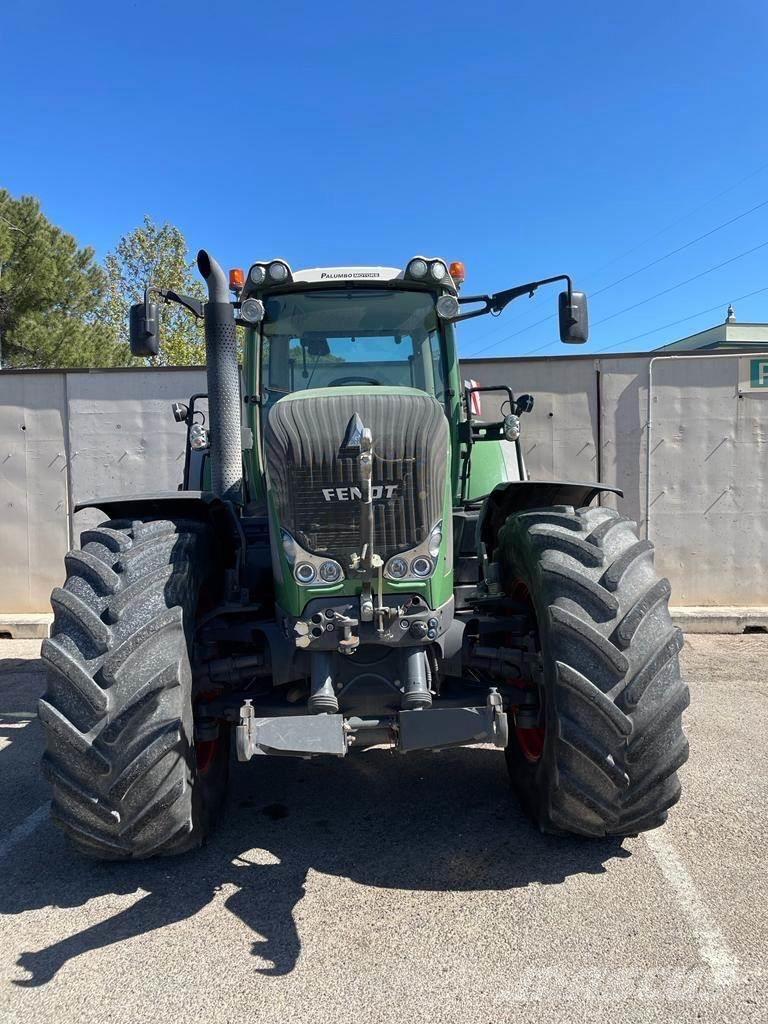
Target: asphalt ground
[[390, 888]]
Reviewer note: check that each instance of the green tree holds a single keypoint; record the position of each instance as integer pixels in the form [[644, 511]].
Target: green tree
[[157, 255], [50, 293]]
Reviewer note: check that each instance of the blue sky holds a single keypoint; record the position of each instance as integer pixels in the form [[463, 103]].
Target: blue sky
[[525, 139]]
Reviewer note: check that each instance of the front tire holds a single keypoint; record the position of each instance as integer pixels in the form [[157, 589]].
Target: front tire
[[118, 712], [602, 759]]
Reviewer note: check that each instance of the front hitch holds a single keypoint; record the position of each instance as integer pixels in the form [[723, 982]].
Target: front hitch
[[422, 729]]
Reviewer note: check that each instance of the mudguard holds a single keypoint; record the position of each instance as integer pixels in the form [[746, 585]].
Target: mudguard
[[171, 503], [203, 505], [525, 495]]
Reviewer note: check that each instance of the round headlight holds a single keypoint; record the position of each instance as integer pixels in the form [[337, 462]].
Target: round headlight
[[330, 572], [252, 310], [417, 268], [257, 275], [421, 566], [278, 272], [447, 306], [438, 270], [435, 540], [304, 572], [397, 568]]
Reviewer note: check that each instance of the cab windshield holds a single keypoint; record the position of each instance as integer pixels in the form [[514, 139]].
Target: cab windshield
[[338, 338]]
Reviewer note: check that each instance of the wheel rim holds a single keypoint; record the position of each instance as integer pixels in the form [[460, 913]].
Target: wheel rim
[[530, 739], [205, 754], [531, 742]]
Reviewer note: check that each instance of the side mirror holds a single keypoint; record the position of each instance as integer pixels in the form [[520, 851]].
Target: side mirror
[[523, 403], [144, 329], [574, 318]]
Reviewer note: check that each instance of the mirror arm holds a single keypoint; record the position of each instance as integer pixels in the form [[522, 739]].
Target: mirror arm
[[194, 306], [499, 300]]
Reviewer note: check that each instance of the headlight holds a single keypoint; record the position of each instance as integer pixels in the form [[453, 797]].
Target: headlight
[[421, 566], [252, 310], [278, 272], [289, 546], [435, 540], [257, 274], [417, 268], [397, 568], [304, 572], [330, 572], [438, 270]]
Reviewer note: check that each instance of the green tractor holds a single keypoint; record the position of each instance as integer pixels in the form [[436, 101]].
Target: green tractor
[[364, 561]]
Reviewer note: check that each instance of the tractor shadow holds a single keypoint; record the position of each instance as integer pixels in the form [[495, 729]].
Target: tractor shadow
[[430, 822]]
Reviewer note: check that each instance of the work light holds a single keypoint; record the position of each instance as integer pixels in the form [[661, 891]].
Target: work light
[[417, 268], [447, 306], [252, 310], [278, 272]]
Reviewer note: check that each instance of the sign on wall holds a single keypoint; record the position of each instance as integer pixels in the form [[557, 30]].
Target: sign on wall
[[753, 374]]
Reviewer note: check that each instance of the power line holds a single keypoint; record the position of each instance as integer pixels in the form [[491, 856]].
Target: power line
[[683, 320], [680, 248], [679, 220], [680, 284], [651, 238], [626, 309]]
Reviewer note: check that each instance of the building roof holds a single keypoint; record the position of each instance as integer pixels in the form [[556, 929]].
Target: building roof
[[723, 337]]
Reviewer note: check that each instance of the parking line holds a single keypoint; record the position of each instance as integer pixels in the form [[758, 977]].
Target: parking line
[[22, 831], [713, 948]]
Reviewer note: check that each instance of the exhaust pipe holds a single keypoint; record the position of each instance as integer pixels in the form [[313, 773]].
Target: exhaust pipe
[[223, 383]]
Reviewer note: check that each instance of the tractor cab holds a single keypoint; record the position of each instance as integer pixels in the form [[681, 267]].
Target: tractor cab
[[350, 326]]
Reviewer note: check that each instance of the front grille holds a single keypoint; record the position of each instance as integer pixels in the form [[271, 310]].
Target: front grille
[[303, 438]]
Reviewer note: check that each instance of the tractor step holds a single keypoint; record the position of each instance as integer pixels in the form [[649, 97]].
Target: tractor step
[[421, 729]]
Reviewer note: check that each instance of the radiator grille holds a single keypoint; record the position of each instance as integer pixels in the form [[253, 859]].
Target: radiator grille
[[303, 438]]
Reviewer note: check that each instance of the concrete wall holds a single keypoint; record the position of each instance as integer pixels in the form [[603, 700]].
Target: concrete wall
[[700, 491], [691, 461]]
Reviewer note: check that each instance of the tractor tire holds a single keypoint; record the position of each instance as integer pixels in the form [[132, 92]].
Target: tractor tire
[[603, 757], [118, 715]]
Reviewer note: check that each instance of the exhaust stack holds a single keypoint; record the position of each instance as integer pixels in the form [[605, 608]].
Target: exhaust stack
[[223, 382]]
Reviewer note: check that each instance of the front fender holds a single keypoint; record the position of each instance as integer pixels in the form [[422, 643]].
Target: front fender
[[201, 505], [189, 504], [525, 495]]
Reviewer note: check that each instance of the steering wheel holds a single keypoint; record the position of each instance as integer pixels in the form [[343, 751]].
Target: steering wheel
[[339, 381]]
